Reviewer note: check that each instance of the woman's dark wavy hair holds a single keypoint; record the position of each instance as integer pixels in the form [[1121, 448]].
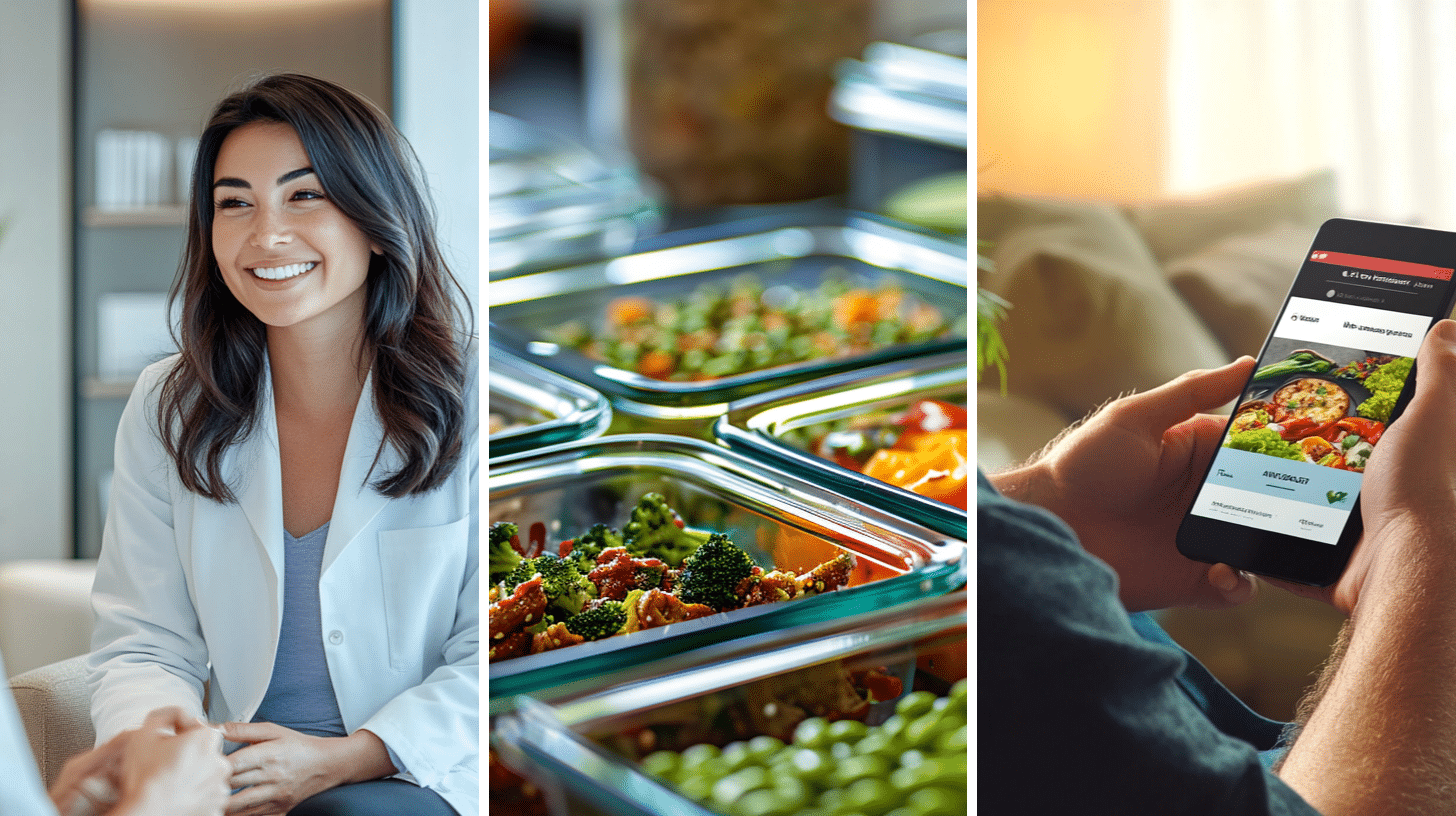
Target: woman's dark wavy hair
[[415, 330]]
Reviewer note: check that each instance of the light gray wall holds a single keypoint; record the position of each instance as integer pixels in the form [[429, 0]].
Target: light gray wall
[[437, 108], [35, 269]]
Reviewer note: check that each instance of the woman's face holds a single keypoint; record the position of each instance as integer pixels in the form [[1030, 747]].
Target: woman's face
[[285, 251]]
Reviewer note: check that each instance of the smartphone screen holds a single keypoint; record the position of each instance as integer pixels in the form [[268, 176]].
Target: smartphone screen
[[1285, 481]]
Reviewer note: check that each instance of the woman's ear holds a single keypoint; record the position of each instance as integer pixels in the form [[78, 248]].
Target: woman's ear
[[375, 249]]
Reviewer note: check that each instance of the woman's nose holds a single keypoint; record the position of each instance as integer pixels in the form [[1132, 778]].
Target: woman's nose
[[270, 228]]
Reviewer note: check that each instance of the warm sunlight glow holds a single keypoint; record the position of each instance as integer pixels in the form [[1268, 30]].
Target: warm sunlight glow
[[1069, 98]]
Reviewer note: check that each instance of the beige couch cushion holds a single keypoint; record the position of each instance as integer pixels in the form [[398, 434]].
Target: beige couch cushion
[[1010, 429], [1239, 284], [1092, 314], [1179, 227]]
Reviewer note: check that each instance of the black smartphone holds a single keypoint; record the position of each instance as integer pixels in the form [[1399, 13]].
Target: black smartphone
[[1282, 495]]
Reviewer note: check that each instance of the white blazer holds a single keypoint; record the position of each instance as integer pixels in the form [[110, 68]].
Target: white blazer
[[190, 590]]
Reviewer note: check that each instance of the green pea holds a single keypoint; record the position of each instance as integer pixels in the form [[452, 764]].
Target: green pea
[[813, 733], [922, 730], [871, 796], [735, 756], [912, 758], [859, 767], [933, 771], [914, 704], [841, 750], [739, 784], [894, 725], [764, 747], [699, 755], [764, 802], [810, 764], [662, 764], [877, 742], [957, 740], [958, 692], [909, 778], [831, 800], [696, 788], [847, 730], [792, 793], [937, 801]]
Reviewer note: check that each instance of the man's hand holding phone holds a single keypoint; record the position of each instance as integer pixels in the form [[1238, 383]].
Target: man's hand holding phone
[[1123, 479], [1409, 496]]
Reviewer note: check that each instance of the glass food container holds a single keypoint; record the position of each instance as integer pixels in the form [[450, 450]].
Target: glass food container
[[849, 416], [554, 203], [531, 407], [780, 520], [602, 753], [541, 317]]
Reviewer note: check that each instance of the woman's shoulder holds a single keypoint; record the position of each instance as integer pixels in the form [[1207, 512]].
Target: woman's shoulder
[[152, 376]]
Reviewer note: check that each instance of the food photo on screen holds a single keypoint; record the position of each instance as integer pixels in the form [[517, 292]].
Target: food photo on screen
[[1326, 405]]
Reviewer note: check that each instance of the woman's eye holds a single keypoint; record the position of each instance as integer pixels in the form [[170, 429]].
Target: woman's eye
[[307, 195], [230, 203]]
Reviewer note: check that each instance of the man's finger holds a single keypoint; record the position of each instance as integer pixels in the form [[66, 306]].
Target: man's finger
[[1193, 393]]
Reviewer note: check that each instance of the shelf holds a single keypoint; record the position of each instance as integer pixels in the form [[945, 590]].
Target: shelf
[[96, 388], [164, 216]]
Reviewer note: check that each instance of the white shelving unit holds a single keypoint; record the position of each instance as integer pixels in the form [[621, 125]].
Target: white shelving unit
[[160, 67]]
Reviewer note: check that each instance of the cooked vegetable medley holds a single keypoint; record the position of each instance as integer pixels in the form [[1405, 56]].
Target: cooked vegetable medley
[[605, 582], [719, 331]]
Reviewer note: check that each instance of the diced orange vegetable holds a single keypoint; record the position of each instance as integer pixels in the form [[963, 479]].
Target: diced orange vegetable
[[853, 307], [624, 311], [887, 302], [896, 467], [957, 438], [655, 364], [935, 468]]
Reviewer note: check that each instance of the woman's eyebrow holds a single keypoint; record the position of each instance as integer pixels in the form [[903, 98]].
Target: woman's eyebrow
[[229, 181], [293, 174]]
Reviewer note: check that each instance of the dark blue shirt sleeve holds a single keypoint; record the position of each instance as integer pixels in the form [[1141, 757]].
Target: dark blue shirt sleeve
[[1077, 712]]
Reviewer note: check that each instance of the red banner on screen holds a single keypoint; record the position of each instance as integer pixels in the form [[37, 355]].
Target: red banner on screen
[[1413, 270]]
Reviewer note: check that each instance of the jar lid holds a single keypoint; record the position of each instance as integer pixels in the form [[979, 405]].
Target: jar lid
[[904, 90]]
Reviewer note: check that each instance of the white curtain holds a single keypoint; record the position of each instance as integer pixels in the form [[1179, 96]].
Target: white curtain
[[1272, 88]]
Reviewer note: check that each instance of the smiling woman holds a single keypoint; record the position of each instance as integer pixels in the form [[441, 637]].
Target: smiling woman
[[294, 507]]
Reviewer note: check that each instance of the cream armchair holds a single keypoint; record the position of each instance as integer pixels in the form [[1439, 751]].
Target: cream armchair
[[55, 707]]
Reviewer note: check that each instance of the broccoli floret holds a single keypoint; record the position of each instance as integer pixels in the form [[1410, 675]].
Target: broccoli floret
[[504, 556], [586, 547], [710, 575], [656, 531], [603, 620], [567, 590]]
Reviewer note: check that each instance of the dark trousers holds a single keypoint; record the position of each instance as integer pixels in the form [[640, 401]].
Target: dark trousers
[[378, 797]]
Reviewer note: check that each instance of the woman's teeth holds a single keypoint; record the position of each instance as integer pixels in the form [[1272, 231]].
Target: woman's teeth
[[283, 272]]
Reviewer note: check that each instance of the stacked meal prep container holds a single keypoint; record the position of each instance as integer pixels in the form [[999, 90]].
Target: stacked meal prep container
[[575, 726]]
